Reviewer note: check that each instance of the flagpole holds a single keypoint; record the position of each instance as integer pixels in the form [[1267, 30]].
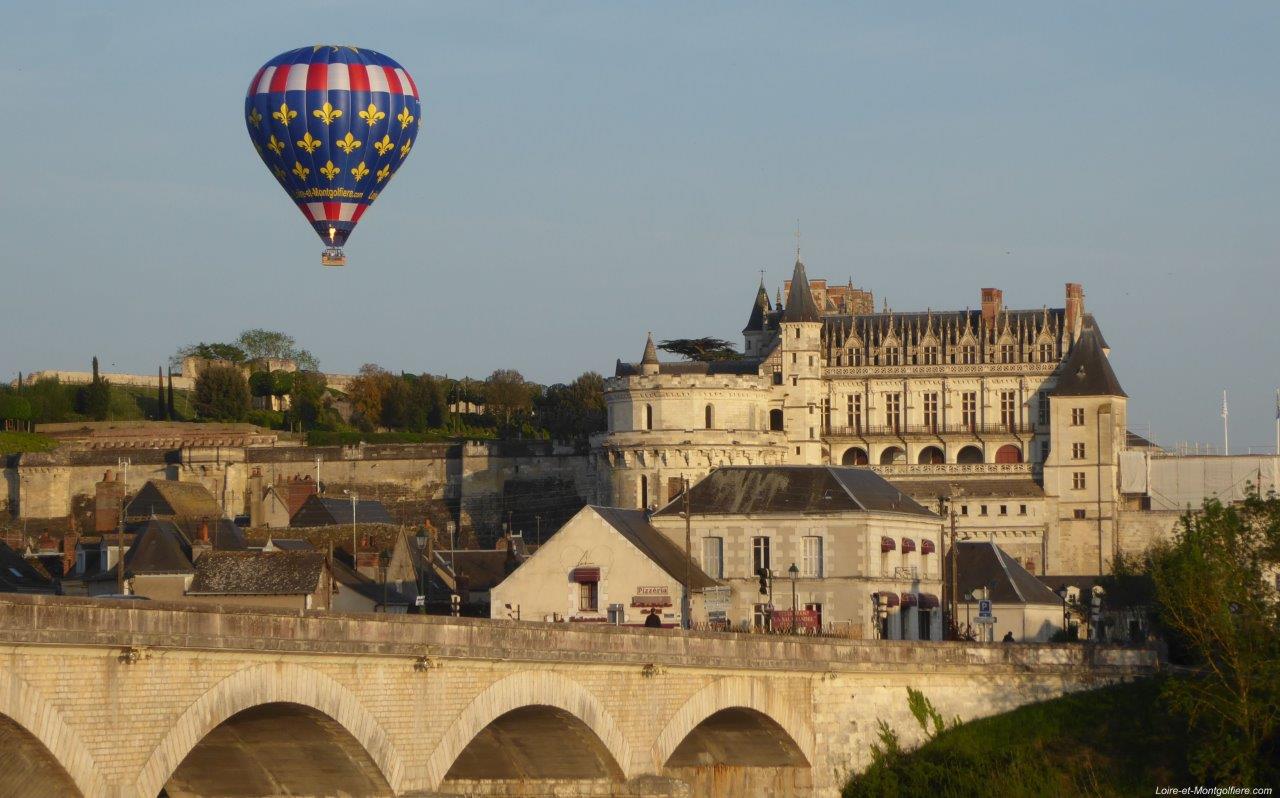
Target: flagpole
[[1277, 422], [1226, 434]]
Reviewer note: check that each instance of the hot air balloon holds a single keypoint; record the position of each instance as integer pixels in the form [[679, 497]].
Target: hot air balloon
[[333, 124]]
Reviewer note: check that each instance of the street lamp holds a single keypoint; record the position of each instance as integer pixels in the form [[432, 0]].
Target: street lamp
[[355, 497], [794, 572], [1062, 594]]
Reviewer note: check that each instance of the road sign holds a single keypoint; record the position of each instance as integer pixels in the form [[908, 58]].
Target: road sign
[[984, 609], [985, 619]]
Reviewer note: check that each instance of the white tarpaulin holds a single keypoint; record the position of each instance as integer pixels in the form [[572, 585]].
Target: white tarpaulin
[[1179, 482]]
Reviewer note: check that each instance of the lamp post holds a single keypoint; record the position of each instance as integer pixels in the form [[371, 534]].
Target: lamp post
[[355, 497], [1062, 594], [123, 462], [794, 572]]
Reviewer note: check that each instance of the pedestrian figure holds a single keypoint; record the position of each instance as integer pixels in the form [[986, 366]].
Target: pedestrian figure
[[653, 621], [1008, 637]]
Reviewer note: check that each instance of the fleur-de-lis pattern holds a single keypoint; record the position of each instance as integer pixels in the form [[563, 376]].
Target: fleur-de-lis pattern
[[327, 113], [372, 115], [311, 131], [308, 143], [347, 143]]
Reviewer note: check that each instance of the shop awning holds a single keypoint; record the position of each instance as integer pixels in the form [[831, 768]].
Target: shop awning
[[928, 601], [909, 599], [888, 599], [585, 573], [908, 545], [926, 546], [887, 544]]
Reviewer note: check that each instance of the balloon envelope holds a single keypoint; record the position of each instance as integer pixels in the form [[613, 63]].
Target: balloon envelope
[[333, 124]]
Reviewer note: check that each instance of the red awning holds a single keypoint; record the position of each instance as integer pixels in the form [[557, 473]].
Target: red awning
[[585, 573], [887, 544], [926, 546], [928, 601], [909, 599], [908, 545], [890, 599]]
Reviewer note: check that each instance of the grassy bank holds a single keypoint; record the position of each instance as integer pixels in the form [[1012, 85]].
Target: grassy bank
[[1110, 742], [19, 442]]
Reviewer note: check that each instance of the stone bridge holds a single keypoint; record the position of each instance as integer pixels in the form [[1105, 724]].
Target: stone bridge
[[143, 699]]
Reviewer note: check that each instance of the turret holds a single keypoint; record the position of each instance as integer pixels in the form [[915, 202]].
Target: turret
[[801, 343], [756, 333], [649, 363]]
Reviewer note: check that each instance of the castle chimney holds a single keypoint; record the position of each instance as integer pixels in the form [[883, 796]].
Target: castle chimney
[[1074, 309], [203, 533], [992, 298], [108, 496]]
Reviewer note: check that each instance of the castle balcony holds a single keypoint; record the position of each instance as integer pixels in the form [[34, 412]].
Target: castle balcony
[[865, 431], [697, 437], [949, 470]]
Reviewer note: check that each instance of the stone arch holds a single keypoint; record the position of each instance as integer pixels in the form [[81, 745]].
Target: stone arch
[[271, 683], [854, 456], [28, 709], [970, 455], [732, 692], [1009, 453], [893, 455], [528, 688], [931, 455]]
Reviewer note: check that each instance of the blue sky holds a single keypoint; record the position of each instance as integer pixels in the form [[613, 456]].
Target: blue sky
[[588, 172]]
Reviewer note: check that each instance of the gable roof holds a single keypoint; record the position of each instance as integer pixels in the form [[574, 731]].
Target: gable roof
[[984, 564], [800, 305], [159, 548], [480, 569], [257, 573], [326, 511], [379, 593], [165, 497], [744, 490], [664, 552], [1087, 370], [18, 576]]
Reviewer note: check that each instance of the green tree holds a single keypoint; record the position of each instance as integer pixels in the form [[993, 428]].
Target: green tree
[[222, 393], [258, 344], [260, 383], [701, 349], [161, 407], [307, 399], [428, 407], [367, 391], [170, 413], [227, 352], [572, 413], [94, 400], [15, 410], [51, 401], [508, 398], [1215, 593]]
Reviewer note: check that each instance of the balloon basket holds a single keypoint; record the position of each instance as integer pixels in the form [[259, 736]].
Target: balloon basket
[[333, 256]]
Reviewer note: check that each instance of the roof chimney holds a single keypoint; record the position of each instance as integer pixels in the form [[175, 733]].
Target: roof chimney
[[1074, 309], [203, 532], [992, 299]]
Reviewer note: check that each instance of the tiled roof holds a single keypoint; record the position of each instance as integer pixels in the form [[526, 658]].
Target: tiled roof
[[323, 511], [984, 564], [1087, 371], [259, 573], [17, 575], [159, 548], [742, 490], [163, 497], [633, 526]]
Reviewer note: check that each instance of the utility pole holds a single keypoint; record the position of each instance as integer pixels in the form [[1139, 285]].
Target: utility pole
[[354, 498], [687, 610], [1226, 432], [955, 571], [123, 462]]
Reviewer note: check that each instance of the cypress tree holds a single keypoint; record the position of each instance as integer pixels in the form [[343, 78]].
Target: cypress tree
[[168, 408], [161, 407]]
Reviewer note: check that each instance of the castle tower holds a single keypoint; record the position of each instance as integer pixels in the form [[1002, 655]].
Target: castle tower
[[1088, 417], [755, 334], [649, 362], [801, 368]]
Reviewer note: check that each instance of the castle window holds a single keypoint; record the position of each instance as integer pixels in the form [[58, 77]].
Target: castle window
[[1008, 409], [968, 354], [982, 509], [891, 357], [1077, 451], [931, 411], [713, 557], [1044, 451], [1044, 407], [777, 375], [810, 360], [1078, 514], [775, 420], [1077, 480], [644, 491], [931, 355], [794, 357], [1007, 353], [797, 332], [855, 412], [1077, 416], [759, 553], [1022, 509], [969, 410], [710, 417], [648, 416], [893, 411], [1004, 509], [1046, 352]]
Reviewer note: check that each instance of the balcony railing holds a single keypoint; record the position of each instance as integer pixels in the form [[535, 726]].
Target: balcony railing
[[954, 469], [880, 430]]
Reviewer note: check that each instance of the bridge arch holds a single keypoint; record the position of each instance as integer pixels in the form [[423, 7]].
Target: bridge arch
[[30, 713], [732, 693], [272, 683], [521, 691]]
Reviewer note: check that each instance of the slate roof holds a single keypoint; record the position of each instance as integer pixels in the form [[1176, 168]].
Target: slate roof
[[1087, 371], [664, 552], [800, 305], [984, 564], [760, 310], [322, 511], [164, 497], [291, 544], [481, 569], [742, 490], [746, 365], [376, 592], [158, 548], [928, 490], [17, 575], [257, 573]]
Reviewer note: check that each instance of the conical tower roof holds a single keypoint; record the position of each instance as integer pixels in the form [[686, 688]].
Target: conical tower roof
[[800, 304], [650, 352], [1087, 371], [759, 309]]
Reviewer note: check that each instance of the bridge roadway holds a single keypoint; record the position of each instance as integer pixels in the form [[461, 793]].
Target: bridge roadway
[[128, 699]]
